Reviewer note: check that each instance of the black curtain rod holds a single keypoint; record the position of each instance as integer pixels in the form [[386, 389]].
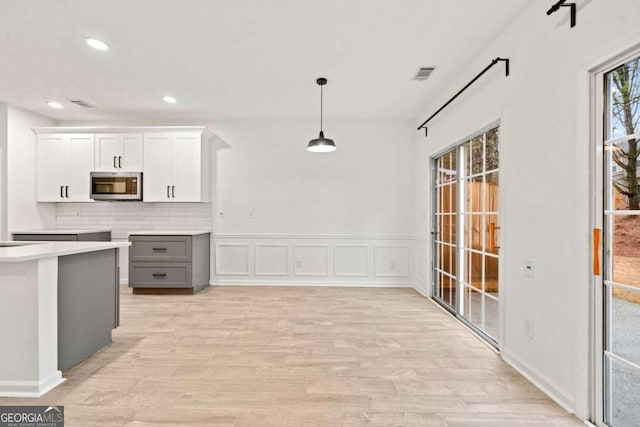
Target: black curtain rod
[[494, 62]]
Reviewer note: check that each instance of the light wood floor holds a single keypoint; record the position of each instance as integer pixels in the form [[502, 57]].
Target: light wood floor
[[286, 356]]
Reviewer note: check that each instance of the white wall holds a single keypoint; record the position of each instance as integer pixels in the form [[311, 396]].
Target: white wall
[[544, 176], [23, 213], [3, 171], [363, 188], [285, 215]]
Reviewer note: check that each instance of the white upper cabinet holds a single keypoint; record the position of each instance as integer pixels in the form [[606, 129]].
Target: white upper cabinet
[[64, 164], [174, 161], [118, 152], [176, 167]]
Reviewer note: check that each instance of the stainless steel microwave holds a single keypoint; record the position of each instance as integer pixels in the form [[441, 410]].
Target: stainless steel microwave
[[116, 186]]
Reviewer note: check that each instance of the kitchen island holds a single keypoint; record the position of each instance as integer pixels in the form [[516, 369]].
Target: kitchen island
[[58, 306]]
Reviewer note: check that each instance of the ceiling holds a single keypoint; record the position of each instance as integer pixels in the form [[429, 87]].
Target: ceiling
[[225, 59]]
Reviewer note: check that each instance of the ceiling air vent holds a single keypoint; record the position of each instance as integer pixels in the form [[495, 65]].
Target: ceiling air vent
[[423, 73], [82, 103]]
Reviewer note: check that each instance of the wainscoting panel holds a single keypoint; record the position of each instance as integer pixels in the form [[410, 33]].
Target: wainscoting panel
[[392, 261], [311, 260], [318, 260], [232, 259], [271, 259], [350, 261]]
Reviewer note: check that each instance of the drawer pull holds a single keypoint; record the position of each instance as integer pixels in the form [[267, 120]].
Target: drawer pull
[[159, 274], [160, 249]]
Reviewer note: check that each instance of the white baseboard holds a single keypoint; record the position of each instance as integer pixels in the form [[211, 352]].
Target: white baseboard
[[556, 393], [30, 388], [304, 283], [420, 290]]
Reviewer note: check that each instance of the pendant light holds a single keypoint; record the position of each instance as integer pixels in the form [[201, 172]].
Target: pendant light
[[321, 144]]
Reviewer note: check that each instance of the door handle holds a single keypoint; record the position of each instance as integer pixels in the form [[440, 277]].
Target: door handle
[[168, 192], [66, 191], [173, 191], [159, 249], [62, 191], [596, 251], [114, 162], [120, 162], [159, 274], [493, 228]]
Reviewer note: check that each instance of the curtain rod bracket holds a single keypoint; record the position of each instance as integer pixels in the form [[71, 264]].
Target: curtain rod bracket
[[562, 3]]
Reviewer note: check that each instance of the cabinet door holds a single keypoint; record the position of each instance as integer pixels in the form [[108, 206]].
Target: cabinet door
[[53, 157], [107, 150], [157, 176], [131, 153], [81, 148], [186, 168]]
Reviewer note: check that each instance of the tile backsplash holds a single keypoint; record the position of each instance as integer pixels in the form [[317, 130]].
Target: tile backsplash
[[125, 217]]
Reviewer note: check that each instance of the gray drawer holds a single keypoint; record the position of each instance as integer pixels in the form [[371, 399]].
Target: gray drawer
[[160, 248], [155, 275]]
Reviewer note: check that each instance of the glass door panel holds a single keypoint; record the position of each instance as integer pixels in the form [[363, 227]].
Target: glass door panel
[[466, 267], [482, 233], [445, 236], [621, 221]]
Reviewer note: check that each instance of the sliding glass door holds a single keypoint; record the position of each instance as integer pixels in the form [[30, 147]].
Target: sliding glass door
[[466, 232], [621, 244]]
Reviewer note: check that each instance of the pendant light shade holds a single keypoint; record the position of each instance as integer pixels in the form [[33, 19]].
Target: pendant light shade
[[321, 144]]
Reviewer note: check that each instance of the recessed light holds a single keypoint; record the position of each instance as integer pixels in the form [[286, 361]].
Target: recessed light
[[169, 99], [54, 104], [97, 44]]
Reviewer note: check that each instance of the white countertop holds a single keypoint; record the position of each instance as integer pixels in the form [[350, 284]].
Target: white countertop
[[51, 231], [169, 232], [28, 251]]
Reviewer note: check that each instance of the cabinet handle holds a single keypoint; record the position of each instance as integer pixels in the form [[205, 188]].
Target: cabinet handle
[[114, 162], [168, 192], [120, 162], [160, 249], [62, 191], [159, 274], [173, 191], [66, 191]]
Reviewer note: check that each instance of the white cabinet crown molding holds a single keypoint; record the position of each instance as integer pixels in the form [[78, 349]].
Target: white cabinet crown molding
[[119, 129]]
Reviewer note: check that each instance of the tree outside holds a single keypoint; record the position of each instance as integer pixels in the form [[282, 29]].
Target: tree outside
[[624, 87]]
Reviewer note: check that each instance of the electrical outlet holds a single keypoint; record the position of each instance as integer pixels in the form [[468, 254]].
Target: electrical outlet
[[251, 214], [299, 263], [392, 266], [530, 269], [529, 330]]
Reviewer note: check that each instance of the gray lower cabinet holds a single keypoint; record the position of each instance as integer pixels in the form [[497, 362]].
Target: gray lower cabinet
[[87, 304], [169, 263]]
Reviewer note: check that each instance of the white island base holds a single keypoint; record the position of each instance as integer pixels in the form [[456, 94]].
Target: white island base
[[29, 328], [29, 315]]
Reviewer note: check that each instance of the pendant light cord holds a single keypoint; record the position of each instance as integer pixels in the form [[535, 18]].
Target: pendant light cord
[[320, 108]]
